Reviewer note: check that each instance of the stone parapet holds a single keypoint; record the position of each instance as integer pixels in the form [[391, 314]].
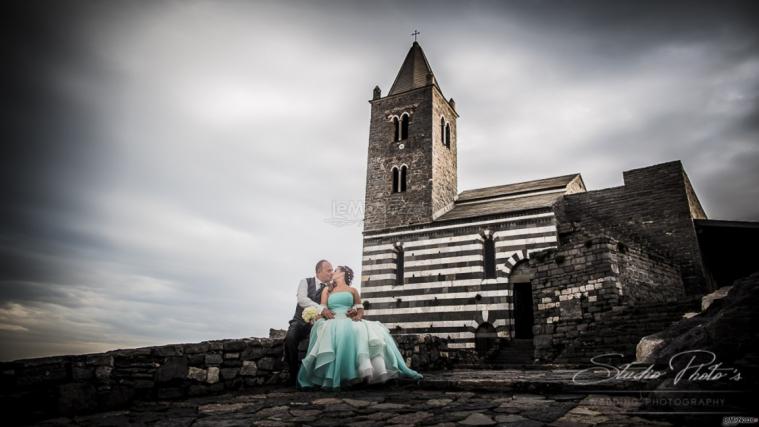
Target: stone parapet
[[33, 389]]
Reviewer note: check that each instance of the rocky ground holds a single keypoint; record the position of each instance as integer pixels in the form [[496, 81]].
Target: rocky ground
[[448, 399]]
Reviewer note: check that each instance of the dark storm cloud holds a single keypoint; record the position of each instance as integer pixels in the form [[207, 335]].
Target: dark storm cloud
[[168, 167]]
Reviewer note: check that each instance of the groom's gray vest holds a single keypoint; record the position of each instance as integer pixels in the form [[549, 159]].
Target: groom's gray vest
[[314, 293]]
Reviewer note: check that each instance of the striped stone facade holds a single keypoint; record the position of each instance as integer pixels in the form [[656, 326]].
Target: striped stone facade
[[436, 261], [444, 291], [522, 263]]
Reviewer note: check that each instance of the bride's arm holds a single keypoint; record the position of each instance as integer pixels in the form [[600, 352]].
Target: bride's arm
[[326, 312], [325, 297], [357, 305]]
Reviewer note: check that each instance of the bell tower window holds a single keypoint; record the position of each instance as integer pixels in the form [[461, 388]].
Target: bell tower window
[[399, 178], [396, 129], [442, 130], [404, 126], [447, 135]]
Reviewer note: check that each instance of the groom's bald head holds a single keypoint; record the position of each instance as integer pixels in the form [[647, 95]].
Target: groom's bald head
[[323, 270]]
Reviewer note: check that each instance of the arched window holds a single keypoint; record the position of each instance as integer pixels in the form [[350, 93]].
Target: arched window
[[397, 129], [402, 181], [398, 264], [395, 179], [488, 256], [442, 130], [448, 135], [404, 126]]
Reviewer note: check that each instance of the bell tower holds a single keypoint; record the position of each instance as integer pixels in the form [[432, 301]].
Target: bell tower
[[411, 170]]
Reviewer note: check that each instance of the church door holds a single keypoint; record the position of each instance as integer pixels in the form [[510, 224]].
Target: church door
[[523, 319]]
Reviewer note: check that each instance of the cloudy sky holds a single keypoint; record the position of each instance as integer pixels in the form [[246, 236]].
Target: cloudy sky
[[170, 169]]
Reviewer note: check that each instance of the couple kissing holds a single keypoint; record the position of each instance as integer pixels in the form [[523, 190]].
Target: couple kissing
[[343, 347]]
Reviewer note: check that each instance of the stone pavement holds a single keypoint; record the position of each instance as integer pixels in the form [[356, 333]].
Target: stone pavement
[[448, 398], [368, 407]]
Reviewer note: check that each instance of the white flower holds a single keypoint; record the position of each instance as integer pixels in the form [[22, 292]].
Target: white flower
[[310, 314]]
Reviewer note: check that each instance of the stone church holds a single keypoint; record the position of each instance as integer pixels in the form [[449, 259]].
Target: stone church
[[540, 268]]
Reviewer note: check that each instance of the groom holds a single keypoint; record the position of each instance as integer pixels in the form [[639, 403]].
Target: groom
[[309, 295]]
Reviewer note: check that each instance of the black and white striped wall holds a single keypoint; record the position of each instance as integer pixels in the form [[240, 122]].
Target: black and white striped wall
[[444, 291]]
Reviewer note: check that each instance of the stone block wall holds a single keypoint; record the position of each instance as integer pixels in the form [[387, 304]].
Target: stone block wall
[[33, 389], [646, 276], [591, 275], [383, 208], [432, 179], [444, 158], [656, 208]]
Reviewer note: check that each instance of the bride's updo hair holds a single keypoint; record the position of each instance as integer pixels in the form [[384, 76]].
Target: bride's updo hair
[[348, 273]]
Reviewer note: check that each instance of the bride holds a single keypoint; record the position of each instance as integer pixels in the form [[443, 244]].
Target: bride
[[344, 351]]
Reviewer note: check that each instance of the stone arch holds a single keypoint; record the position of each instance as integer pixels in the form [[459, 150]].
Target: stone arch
[[514, 259]]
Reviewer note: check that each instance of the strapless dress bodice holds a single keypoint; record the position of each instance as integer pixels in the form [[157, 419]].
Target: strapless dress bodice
[[340, 302]]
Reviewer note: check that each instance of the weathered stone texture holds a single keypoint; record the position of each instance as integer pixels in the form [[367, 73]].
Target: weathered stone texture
[[582, 292], [444, 158], [74, 385], [656, 207], [420, 152]]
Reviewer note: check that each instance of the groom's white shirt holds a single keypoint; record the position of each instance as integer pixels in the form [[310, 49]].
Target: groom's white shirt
[[303, 299]]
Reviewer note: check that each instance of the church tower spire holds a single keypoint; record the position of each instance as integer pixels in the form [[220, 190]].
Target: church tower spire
[[411, 171], [414, 73]]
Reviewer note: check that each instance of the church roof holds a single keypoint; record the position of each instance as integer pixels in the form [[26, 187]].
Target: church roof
[[520, 196], [518, 188], [493, 207], [414, 71]]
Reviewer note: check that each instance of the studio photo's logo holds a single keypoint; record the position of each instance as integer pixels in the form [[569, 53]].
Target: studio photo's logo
[[692, 366]]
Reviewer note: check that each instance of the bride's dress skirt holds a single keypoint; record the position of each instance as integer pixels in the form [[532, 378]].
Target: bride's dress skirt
[[342, 351]]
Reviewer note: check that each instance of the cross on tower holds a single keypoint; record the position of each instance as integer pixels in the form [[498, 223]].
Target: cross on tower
[[415, 33]]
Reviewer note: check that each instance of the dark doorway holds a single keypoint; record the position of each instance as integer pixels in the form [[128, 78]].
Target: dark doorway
[[523, 319], [485, 339]]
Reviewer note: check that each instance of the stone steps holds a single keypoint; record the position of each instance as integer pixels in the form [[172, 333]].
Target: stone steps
[[517, 352]]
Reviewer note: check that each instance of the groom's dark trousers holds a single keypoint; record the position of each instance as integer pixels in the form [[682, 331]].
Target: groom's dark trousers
[[299, 329]]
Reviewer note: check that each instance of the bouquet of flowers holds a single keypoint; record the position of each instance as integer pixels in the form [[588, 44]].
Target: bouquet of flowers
[[310, 314]]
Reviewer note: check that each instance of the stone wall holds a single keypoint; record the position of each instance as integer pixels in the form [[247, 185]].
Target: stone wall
[[444, 158], [656, 208], [590, 275], [444, 290], [432, 179], [383, 208], [646, 277], [70, 385]]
